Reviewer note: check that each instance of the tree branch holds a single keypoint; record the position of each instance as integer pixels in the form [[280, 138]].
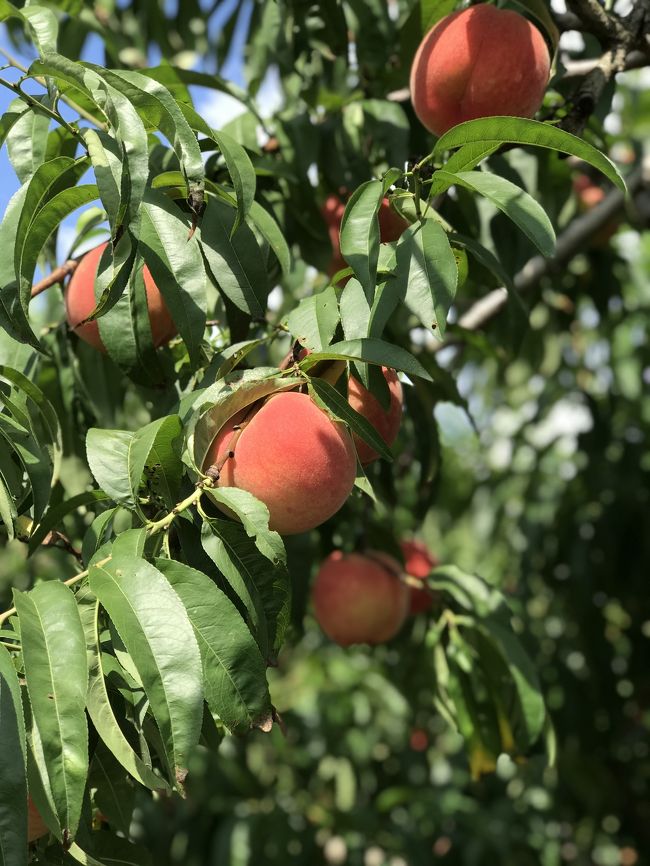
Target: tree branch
[[57, 276], [572, 239]]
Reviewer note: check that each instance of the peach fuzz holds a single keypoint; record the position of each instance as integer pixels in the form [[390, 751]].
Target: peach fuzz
[[360, 599], [385, 421], [391, 226], [479, 62], [80, 302], [289, 454], [418, 562]]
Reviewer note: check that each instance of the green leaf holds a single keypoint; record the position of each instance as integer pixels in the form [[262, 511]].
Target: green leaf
[[271, 233], [98, 703], [109, 455], [233, 669], [52, 428], [13, 318], [27, 242], [161, 642], [315, 319], [35, 461], [254, 515], [106, 156], [519, 130], [328, 398], [236, 261], [241, 172], [27, 139], [7, 508], [523, 674], [355, 311], [120, 114], [13, 790], [264, 589], [485, 257], [159, 110], [43, 25], [54, 516], [513, 201], [176, 265], [431, 11], [154, 458], [426, 273], [373, 352], [56, 672], [360, 233], [469, 591]]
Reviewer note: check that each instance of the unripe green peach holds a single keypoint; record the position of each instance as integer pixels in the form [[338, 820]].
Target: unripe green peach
[[289, 454], [385, 421], [360, 598], [80, 302], [479, 62]]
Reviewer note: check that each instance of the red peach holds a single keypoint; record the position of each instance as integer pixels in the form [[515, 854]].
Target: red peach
[[80, 302], [385, 422], [292, 456], [479, 62], [360, 598], [418, 562]]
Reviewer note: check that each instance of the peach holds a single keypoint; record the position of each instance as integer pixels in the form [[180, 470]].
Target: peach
[[80, 302], [36, 827], [418, 562], [391, 226], [291, 455], [360, 598], [479, 62], [385, 421]]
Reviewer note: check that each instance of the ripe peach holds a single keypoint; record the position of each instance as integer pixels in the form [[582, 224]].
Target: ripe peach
[[36, 826], [360, 598], [289, 454], [385, 422], [391, 226], [80, 302], [418, 562], [479, 62]]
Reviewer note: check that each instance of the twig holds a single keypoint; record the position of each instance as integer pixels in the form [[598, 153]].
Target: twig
[[578, 68], [57, 276], [69, 102], [152, 529]]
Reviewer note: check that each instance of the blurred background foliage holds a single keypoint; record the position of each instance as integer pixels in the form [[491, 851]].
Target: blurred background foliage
[[536, 475]]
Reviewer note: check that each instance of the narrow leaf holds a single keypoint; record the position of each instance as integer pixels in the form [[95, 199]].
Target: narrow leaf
[[56, 672], [233, 669], [158, 635]]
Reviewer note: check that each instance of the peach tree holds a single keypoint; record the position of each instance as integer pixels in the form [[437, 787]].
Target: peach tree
[[173, 569]]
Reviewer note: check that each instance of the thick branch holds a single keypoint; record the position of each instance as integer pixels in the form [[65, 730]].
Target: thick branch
[[594, 19], [57, 276], [574, 238]]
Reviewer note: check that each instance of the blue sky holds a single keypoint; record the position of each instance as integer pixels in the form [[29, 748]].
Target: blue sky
[[216, 108]]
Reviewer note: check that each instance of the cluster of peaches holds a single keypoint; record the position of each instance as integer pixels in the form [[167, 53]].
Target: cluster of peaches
[[479, 62]]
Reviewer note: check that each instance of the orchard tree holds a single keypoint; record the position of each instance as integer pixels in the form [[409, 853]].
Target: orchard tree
[[219, 391]]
